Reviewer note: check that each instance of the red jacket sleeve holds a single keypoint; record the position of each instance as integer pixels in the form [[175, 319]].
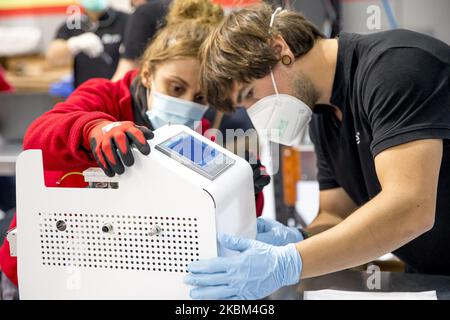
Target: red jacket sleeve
[[59, 132], [4, 85]]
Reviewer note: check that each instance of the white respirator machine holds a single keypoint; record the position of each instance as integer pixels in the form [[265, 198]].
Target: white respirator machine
[[134, 236]]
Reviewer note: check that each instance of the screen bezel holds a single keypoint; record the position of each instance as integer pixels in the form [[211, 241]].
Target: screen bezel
[[211, 171]]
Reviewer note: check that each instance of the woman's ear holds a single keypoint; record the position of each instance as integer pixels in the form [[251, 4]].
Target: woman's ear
[[146, 75], [145, 79]]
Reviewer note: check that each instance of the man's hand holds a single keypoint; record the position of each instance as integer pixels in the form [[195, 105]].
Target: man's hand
[[109, 139], [274, 233], [256, 272], [88, 43]]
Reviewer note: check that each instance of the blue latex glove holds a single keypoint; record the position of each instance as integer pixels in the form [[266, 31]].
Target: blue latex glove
[[275, 233], [256, 272]]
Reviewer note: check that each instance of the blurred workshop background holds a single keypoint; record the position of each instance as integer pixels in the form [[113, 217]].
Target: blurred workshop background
[[33, 77]]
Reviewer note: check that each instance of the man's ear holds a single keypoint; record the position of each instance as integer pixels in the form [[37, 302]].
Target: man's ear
[[281, 48]]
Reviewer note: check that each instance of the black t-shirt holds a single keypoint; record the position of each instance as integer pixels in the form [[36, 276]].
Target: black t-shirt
[[392, 87], [110, 28], [142, 26]]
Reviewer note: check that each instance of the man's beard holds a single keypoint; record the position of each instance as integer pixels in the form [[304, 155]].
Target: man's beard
[[305, 90]]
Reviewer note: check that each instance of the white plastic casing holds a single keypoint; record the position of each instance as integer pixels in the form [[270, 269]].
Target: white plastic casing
[[134, 242]]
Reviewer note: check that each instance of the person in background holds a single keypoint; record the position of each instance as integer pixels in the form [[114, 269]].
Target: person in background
[[137, 3], [101, 121], [141, 27], [94, 48]]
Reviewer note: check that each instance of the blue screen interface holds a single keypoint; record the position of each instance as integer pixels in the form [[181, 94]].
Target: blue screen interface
[[193, 149]]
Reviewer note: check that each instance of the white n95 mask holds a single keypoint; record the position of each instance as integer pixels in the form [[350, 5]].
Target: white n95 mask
[[171, 110], [281, 117]]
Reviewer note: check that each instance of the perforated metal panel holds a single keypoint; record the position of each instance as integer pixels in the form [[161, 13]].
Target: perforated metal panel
[[123, 242]]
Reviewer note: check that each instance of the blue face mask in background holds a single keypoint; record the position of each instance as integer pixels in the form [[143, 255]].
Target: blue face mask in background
[[166, 109], [95, 6]]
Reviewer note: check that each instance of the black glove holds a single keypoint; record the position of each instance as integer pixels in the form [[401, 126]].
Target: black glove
[[260, 176]]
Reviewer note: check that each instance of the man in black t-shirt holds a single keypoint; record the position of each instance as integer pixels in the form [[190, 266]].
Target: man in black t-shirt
[[380, 110], [140, 29], [393, 91], [94, 48]]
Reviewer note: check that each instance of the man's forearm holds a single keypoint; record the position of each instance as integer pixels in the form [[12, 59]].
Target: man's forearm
[[123, 67], [382, 225], [58, 53], [323, 222]]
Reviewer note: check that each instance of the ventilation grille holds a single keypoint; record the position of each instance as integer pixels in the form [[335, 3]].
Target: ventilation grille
[[124, 242]]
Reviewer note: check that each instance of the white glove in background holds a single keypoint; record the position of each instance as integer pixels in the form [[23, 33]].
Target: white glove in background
[[88, 43]]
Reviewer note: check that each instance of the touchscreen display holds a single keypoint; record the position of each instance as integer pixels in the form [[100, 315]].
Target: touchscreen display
[[195, 150], [196, 155]]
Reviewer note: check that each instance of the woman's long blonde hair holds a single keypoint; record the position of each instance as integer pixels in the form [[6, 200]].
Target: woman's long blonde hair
[[189, 22]]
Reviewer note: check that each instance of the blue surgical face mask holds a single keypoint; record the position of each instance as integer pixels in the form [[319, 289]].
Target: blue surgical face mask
[[170, 110], [95, 6]]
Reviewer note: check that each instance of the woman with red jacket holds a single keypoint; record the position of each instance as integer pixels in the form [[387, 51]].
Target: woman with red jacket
[[100, 122]]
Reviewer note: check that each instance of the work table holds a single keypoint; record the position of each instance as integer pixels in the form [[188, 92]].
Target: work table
[[357, 281]]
